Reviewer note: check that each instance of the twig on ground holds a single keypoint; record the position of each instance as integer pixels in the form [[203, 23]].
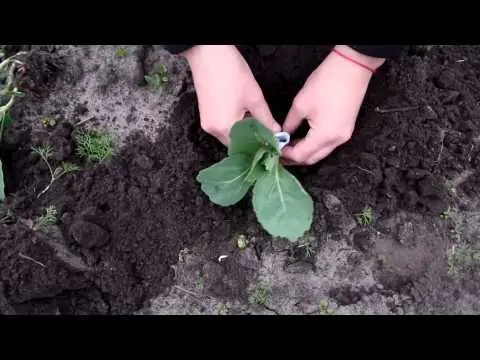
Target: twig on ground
[[442, 136], [399, 109], [198, 296], [367, 171], [83, 121], [33, 260]]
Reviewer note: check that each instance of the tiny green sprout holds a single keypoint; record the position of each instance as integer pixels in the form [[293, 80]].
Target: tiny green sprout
[[366, 216], [93, 146], [261, 295], [306, 244], [158, 78], [223, 309], [45, 153], [242, 242], [325, 308], [121, 52], [48, 122], [46, 219]]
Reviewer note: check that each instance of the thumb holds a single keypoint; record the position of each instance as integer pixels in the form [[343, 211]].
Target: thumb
[[294, 118], [260, 110]]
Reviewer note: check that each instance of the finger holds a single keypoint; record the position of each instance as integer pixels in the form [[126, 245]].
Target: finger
[[301, 151], [261, 111], [294, 118], [218, 127]]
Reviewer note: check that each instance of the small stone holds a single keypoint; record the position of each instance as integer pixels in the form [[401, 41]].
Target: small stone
[[362, 241], [88, 234], [450, 97], [430, 114], [392, 148]]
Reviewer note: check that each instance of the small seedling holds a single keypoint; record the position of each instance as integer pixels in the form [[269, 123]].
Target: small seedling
[[242, 242], [365, 217], [261, 295], [223, 309], [325, 308], [48, 122], [47, 219], [94, 147], [281, 204], [121, 52], [306, 244], [45, 153], [157, 79]]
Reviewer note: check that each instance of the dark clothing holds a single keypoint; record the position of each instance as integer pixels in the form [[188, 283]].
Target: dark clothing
[[381, 51], [281, 70]]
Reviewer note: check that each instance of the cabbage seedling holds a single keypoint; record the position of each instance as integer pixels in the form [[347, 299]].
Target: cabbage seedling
[[281, 204]]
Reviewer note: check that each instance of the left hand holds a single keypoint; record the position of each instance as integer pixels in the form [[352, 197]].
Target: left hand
[[330, 101]]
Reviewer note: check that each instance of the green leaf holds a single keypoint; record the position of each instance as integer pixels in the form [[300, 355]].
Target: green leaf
[[7, 120], [282, 206], [2, 183], [249, 135], [225, 182], [256, 165]]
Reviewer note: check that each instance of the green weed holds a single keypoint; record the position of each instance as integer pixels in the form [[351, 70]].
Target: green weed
[[93, 146], [242, 242], [325, 308], [121, 52], [223, 310], [365, 217], [9, 92], [48, 218], [307, 244], [46, 153], [261, 295], [158, 78]]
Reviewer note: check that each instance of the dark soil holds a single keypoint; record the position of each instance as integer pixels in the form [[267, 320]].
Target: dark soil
[[123, 222]]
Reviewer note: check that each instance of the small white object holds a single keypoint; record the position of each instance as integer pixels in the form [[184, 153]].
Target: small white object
[[283, 138], [222, 257]]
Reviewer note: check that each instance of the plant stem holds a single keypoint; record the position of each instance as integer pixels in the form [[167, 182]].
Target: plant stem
[[46, 188], [5, 62]]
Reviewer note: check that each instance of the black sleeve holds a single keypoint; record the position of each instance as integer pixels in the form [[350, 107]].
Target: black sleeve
[[176, 49], [380, 51]]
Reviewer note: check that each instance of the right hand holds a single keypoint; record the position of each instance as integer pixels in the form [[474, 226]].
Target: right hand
[[226, 89]]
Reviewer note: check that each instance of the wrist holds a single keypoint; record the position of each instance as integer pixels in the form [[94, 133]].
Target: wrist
[[369, 62], [198, 51]]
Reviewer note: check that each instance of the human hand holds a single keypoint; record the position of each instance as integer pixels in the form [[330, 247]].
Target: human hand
[[226, 89], [330, 101]]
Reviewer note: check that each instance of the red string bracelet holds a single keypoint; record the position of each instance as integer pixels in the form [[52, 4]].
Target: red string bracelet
[[372, 70]]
